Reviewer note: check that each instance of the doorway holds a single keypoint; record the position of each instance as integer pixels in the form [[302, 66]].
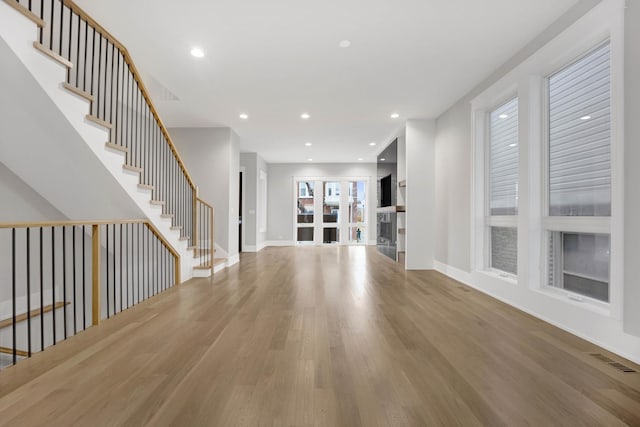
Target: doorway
[[240, 195]]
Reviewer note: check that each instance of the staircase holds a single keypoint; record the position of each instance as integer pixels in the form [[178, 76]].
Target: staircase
[[113, 130]]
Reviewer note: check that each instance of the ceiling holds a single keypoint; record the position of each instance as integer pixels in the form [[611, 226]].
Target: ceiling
[[274, 60]]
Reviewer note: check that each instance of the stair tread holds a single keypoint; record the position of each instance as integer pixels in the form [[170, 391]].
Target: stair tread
[[73, 89], [132, 168], [52, 55], [98, 121], [146, 187], [116, 147]]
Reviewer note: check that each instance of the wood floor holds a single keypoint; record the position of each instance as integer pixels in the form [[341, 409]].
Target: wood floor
[[321, 336]]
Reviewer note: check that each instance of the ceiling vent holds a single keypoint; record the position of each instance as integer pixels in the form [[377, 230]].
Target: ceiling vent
[[158, 91]]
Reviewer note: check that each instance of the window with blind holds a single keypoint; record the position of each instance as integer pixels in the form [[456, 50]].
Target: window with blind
[[503, 159], [580, 137], [503, 168], [579, 159]]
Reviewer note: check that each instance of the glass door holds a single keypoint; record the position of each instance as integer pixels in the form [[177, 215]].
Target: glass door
[[305, 220], [357, 212], [331, 212]]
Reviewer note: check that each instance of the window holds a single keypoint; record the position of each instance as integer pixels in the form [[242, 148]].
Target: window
[[580, 137], [305, 206], [331, 202], [503, 167], [357, 211], [330, 210], [579, 175]]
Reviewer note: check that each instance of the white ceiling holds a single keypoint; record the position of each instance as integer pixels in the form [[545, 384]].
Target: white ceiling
[[275, 59]]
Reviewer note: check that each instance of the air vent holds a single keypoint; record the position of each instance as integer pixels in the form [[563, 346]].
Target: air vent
[[617, 365], [621, 367], [158, 91]]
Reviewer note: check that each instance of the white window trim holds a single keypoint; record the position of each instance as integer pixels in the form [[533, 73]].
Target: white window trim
[[483, 218], [588, 225], [606, 21]]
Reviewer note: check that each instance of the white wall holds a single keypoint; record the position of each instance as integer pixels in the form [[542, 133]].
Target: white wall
[[453, 186], [261, 236], [234, 198], [603, 326], [420, 194], [253, 164], [249, 163], [280, 217], [20, 203], [632, 172], [212, 157]]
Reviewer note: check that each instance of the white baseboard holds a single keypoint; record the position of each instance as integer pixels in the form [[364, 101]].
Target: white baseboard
[[453, 272], [248, 248], [220, 253], [279, 243], [372, 242], [610, 337], [233, 260], [261, 246]]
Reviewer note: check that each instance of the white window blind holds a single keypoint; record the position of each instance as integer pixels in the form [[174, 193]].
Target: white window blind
[[503, 159], [580, 137]]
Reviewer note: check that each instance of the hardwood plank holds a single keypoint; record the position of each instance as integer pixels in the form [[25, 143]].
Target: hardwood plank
[[330, 336]]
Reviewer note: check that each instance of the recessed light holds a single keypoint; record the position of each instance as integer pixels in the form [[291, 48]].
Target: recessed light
[[305, 116], [382, 160], [309, 160], [344, 43], [395, 115], [372, 144], [308, 144], [512, 145], [585, 117], [503, 116], [244, 116], [360, 159], [197, 52]]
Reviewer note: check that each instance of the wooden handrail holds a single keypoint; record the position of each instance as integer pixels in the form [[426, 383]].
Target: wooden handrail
[[33, 313], [204, 203], [21, 353], [68, 223], [136, 75], [148, 223]]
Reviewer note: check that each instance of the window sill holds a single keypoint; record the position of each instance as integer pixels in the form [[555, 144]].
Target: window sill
[[500, 275], [577, 300]]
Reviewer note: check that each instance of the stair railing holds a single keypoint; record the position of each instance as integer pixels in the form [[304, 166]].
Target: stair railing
[[63, 277], [204, 234], [101, 70]]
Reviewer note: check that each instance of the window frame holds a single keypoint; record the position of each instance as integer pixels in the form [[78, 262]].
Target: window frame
[[504, 221], [578, 224]]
